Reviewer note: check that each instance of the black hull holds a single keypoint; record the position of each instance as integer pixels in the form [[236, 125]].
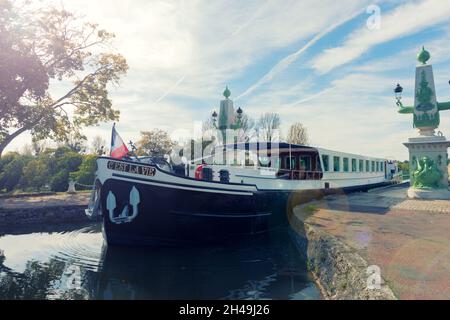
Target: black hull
[[177, 217], [169, 216]]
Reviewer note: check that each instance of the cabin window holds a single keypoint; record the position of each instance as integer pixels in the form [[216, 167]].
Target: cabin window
[[277, 163], [377, 166], [326, 164], [345, 164], [353, 165], [382, 166], [305, 163], [264, 161], [317, 164], [336, 164], [367, 165], [361, 165], [373, 166], [248, 159], [293, 163]]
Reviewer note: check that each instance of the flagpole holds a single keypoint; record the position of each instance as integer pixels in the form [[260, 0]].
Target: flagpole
[[112, 137]]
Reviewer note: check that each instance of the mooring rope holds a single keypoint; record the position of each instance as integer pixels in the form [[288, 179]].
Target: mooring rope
[[84, 185]]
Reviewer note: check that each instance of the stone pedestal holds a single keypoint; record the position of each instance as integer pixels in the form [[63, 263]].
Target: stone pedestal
[[428, 157]]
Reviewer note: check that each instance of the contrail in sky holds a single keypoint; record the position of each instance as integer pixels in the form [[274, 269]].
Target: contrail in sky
[[234, 33], [318, 94], [171, 88], [285, 62]]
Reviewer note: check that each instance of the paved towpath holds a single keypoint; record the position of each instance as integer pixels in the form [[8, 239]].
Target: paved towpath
[[408, 239]]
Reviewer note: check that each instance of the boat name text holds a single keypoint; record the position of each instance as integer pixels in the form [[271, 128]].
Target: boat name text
[[131, 168]]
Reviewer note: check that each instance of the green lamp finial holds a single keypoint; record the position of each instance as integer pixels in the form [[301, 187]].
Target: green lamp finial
[[227, 93], [423, 56]]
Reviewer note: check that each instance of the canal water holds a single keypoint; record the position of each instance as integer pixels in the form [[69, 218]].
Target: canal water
[[76, 264]]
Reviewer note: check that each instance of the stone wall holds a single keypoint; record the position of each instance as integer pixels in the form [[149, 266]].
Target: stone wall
[[10, 218], [339, 271]]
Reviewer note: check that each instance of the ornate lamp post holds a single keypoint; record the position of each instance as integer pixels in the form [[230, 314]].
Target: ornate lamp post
[[427, 152], [214, 118], [398, 94], [228, 118]]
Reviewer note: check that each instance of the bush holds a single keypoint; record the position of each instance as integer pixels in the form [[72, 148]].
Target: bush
[[53, 166], [35, 175], [7, 158], [12, 172], [67, 159], [63, 161], [60, 182], [86, 172]]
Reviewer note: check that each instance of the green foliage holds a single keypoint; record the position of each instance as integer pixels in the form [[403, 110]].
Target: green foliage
[[155, 143], [12, 171], [35, 175], [86, 172], [42, 45], [64, 161], [60, 181], [68, 160], [404, 166], [7, 159], [310, 208], [51, 168]]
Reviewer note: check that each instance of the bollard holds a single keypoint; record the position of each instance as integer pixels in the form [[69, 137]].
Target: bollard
[[207, 173], [224, 176]]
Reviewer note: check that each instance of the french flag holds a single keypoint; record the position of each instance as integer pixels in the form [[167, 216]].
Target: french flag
[[118, 147]]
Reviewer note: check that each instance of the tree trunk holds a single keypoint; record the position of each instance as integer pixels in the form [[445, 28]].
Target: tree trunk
[[9, 138]]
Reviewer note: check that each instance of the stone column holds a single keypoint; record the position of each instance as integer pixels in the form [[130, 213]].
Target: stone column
[[428, 152], [428, 167]]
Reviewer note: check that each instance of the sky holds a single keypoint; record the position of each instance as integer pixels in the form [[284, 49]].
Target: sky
[[331, 65]]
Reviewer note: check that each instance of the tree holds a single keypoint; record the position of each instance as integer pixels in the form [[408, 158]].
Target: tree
[[98, 145], [35, 174], [41, 46], [39, 146], [12, 172], [208, 126], [268, 125], [404, 166], [86, 172], [246, 130], [298, 134], [63, 162], [75, 142], [156, 143]]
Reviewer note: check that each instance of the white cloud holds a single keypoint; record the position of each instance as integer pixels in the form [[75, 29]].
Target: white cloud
[[403, 20], [207, 42], [357, 114], [288, 60], [190, 49]]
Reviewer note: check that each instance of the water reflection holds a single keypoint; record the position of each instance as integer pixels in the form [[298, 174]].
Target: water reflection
[[76, 265]]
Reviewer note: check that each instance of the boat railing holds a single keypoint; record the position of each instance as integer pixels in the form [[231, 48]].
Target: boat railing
[[300, 174]]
